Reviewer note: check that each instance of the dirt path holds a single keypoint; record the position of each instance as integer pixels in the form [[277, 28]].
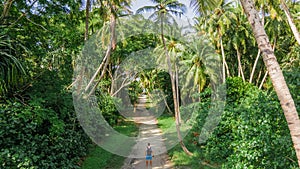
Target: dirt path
[[148, 133]]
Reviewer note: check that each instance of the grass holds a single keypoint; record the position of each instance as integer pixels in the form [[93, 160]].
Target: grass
[[99, 158], [165, 122], [178, 156]]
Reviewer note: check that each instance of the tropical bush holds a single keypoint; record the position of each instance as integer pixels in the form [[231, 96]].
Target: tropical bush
[[252, 133], [41, 131]]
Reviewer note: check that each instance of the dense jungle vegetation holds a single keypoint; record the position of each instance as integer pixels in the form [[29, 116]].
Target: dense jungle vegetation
[[44, 42]]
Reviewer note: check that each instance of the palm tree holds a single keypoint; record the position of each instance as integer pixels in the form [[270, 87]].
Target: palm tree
[[280, 86], [113, 9], [216, 24], [162, 13], [275, 73], [194, 64], [204, 7]]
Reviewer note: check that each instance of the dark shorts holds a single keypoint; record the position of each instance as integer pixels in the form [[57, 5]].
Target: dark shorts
[[148, 157]]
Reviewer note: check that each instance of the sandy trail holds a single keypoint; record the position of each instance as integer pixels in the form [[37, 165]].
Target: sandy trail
[[148, 133]]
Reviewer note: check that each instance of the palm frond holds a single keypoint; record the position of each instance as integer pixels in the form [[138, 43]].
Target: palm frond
[[175, 12], [203, 7], [155, 17], [176, 6], [146, 9], [156, 1]]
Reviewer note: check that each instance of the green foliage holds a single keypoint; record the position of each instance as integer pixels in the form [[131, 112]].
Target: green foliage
[[165, 122], [11, 68], [34, 37], [42, 131], [252, 133], [134, 90], [34, 137], [229, 23], [108, 108], [98, 158], [133, 44], [236, 90], [260, 134], [38, 126], [161, 80], [37, 120]]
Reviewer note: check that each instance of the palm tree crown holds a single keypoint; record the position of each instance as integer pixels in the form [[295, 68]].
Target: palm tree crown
[[164, 9]]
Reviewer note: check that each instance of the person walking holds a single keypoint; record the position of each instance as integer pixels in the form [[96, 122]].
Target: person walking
[[149, 155]]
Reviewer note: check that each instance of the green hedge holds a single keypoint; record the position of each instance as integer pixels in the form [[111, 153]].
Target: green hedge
[[41, 131], [252, 133], [34, 137]]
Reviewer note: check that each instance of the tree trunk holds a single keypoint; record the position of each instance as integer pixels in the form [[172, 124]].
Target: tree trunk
[[290, 20], [177, 93], [258, 77], [224, 65], [223, 60], [166, 103], [263, 80], [275, 73], [240, 69], [174, 92], [254, 66], [266, 74], [106, 58], [87, 12], [258, 53]]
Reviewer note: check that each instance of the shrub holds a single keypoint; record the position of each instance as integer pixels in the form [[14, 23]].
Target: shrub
[[34, 137], [252, 133]]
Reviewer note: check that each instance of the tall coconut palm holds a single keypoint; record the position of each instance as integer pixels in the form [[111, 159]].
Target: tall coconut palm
[[216, 25], [195, 67], [113, 9], [275, 73], [162, 13]]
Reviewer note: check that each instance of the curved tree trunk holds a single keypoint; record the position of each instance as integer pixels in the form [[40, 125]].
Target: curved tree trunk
[[254, 66], [174, 91], [166, 103], [290, 20], [106, 59], [276, 75]]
